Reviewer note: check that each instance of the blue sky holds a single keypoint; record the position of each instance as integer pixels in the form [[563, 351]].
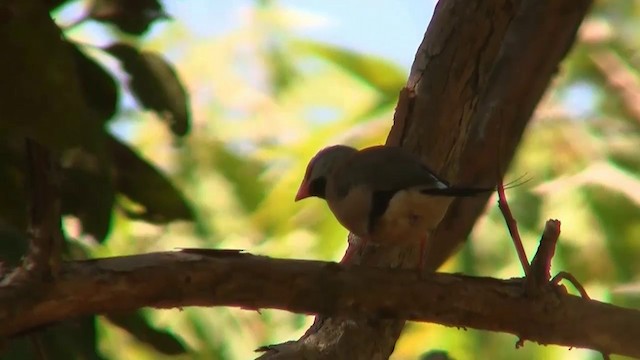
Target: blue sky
[[389, 28]]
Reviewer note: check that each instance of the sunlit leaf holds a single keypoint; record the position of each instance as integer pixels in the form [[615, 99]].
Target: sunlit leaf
[[618, 219], [54, 4], [144, 184], [155, 84], [381, 74], [133, 17], [212, 346], [98, 86], [281, 68], [87, 192], [244, 174], [138, 326]]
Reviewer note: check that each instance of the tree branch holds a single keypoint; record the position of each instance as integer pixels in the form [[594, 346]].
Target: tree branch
[[222, 278]]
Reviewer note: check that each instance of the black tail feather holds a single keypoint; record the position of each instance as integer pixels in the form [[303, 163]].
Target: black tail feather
[[467, 191], [523, 179], [457, 191]]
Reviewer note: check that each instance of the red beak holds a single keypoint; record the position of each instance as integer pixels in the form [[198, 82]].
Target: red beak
[[303, 191]]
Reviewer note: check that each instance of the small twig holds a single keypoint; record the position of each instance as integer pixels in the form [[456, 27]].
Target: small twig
[[563, 275], [513, 228], [540, 271]]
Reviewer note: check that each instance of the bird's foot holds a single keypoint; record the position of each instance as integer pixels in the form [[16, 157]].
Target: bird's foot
[[356, 245]]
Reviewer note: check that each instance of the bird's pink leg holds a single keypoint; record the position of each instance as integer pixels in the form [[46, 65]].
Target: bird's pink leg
[[513, 228], [354, 246]]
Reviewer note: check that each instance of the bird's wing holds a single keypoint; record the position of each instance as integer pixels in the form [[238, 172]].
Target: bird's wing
[[383, 172], [384, 169]]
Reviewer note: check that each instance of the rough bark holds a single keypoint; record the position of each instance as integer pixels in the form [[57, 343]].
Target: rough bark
[[225, 278]]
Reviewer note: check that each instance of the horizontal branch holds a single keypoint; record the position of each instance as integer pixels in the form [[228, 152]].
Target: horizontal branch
[[228, 278]]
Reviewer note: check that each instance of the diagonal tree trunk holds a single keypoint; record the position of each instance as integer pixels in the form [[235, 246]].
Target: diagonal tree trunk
[[478, 75]]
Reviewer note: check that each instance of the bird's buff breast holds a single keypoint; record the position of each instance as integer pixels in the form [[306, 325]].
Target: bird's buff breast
[[352, 211], [410, 217]]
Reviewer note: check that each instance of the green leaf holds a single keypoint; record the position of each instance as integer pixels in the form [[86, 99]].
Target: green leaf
[[142, 183], [381, 74], [136, 324], [132, 17], [155, 85], [617, 216], [41, 96], [244, 174], [282, 71], [98, 86], [211, 340], [87, 192], [53, 5], [86, 189], [71, 339]]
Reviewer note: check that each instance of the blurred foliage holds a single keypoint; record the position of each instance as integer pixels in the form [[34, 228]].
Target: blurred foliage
[[264, 101]]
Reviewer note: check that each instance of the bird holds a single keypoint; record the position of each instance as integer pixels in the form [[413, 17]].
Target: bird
[[381, 193]]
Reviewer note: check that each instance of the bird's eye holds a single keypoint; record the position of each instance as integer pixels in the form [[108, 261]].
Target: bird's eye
[[318, 187]]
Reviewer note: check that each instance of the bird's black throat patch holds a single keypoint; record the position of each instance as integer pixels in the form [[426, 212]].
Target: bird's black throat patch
[[318, 187]]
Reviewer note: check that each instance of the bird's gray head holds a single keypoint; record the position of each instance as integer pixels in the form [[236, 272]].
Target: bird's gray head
[[319, 168]]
